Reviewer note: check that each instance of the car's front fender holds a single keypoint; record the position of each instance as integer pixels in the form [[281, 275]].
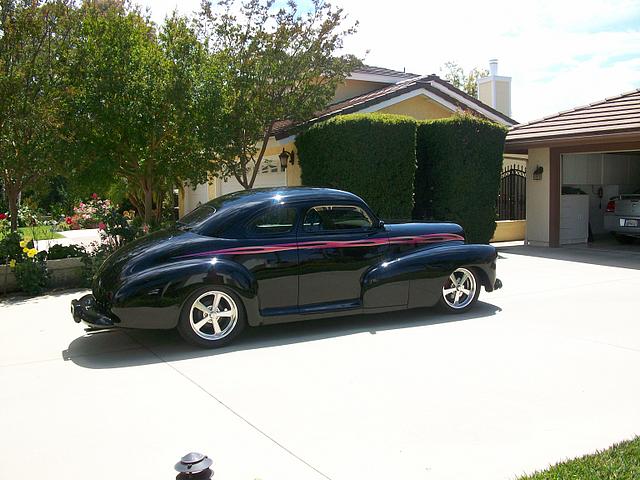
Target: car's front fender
[[416, 279]]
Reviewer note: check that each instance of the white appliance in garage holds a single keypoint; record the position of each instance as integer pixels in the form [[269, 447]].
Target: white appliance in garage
[[574, 219], [601, 176], [270, 175]]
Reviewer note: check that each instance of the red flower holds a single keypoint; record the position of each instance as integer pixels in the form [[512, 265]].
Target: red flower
[[94, 196], [68, 220], [3, 216], [101, 226]]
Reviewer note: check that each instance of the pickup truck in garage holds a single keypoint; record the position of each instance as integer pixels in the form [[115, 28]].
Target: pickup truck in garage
[[622, 217]]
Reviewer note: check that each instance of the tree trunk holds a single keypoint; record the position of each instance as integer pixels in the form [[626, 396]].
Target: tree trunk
[[263, 148], [148, 205], [12, 198], [159, 201]]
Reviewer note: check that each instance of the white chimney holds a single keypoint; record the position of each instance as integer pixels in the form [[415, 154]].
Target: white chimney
[[493, 67], [495, 90]]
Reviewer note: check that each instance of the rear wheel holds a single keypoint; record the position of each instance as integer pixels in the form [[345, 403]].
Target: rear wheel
[[211, 317], [460, 291]]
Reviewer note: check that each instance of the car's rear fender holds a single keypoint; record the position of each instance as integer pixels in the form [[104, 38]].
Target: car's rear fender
[[415, 279], [154, 298]]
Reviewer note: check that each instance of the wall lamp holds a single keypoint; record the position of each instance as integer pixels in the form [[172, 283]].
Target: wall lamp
[[537, 173], [284, 156]]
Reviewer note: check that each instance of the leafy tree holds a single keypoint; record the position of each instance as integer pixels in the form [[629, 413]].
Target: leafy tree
[[135, 112], [33, 42], [275, 64], [467, 82]]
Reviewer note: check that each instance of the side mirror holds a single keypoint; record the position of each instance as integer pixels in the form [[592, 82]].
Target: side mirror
[[380, 224]]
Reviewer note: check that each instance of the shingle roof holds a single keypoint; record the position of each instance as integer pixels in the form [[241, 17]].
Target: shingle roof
[[284, 128], [614, 115], [371, 70]]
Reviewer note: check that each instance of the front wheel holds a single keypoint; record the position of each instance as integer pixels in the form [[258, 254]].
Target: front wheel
[[211, 317], [460, 291]]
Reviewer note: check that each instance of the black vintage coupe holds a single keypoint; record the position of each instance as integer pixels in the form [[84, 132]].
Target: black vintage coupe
[[280, 255]]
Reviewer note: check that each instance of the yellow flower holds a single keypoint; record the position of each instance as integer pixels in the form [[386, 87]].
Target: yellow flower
[[32, 253], [25, 249], [12, 263], [23, 244]]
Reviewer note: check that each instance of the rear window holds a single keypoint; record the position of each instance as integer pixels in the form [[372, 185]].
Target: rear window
[[197, 216], [276, 220]]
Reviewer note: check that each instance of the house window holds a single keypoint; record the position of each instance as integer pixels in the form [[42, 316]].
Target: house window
[[268, 166], [328, 218]]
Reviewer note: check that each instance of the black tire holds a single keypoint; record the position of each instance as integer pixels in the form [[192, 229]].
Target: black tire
[[227, 327], [624, 239], [471, 282]]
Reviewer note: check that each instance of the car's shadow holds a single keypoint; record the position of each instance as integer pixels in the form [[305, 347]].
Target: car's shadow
[[128, 348]]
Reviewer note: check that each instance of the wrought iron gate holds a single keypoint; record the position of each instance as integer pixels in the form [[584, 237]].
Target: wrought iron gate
[[512, 197]]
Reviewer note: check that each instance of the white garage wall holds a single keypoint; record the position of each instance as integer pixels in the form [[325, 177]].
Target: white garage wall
[[538, 198]]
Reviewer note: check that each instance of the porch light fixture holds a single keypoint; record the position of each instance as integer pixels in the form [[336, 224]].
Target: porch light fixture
[[537, 173], [284, 156]]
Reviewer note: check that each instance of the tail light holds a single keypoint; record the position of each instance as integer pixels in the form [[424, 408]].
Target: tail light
[[611, 206]]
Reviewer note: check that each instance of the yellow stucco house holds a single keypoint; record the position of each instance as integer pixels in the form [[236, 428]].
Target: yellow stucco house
[[370, 89]]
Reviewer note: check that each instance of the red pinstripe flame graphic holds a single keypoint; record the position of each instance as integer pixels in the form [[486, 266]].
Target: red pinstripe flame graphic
[[282, 247]]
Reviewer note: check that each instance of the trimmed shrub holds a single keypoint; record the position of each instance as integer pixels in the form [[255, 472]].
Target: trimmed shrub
[[458, 174], [57, 252], [371, 155]]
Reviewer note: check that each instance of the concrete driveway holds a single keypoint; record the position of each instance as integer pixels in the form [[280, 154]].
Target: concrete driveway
[[545, 369]]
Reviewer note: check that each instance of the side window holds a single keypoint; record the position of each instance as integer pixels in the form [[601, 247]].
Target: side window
[[273, 221], [334, 218]]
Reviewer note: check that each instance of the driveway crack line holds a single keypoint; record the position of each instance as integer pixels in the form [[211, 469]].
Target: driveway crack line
[[231, 410]]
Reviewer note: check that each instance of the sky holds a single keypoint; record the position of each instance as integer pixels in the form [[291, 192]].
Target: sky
[[560, 54]]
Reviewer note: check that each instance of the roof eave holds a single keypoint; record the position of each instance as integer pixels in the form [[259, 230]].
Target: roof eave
[[569, 140]]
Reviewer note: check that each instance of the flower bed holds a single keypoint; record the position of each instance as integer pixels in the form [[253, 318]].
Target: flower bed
[[89, 214]]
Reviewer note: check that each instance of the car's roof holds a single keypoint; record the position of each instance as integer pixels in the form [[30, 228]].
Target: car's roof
[[231, 210], [289, 194]]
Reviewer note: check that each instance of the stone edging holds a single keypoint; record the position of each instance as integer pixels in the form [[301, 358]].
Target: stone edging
[[65, 272]]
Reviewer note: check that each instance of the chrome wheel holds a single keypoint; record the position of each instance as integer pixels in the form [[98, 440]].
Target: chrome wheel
[[459, 290], [213, 315]]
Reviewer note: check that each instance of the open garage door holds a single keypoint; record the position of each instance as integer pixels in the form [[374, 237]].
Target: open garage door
[[593, 204], [270, 175]]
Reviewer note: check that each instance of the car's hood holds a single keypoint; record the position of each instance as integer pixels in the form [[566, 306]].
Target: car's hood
[[423, 229]]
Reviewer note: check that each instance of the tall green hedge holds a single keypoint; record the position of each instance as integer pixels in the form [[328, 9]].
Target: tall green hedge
[[458, 173], [371, 155]]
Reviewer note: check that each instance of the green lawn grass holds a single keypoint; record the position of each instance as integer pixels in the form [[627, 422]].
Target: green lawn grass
[[619, 462], [42, 232]]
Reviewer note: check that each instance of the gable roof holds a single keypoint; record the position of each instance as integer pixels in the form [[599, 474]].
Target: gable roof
[[430, 86], [619, 115]]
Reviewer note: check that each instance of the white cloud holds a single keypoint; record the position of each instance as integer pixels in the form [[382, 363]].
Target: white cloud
[[560, 54]]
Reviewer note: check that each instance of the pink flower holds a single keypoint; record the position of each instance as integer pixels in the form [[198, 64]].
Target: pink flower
[[94, 196], [145, 228], [3, 216], [68, 220], [81, 205], [102, 226]]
